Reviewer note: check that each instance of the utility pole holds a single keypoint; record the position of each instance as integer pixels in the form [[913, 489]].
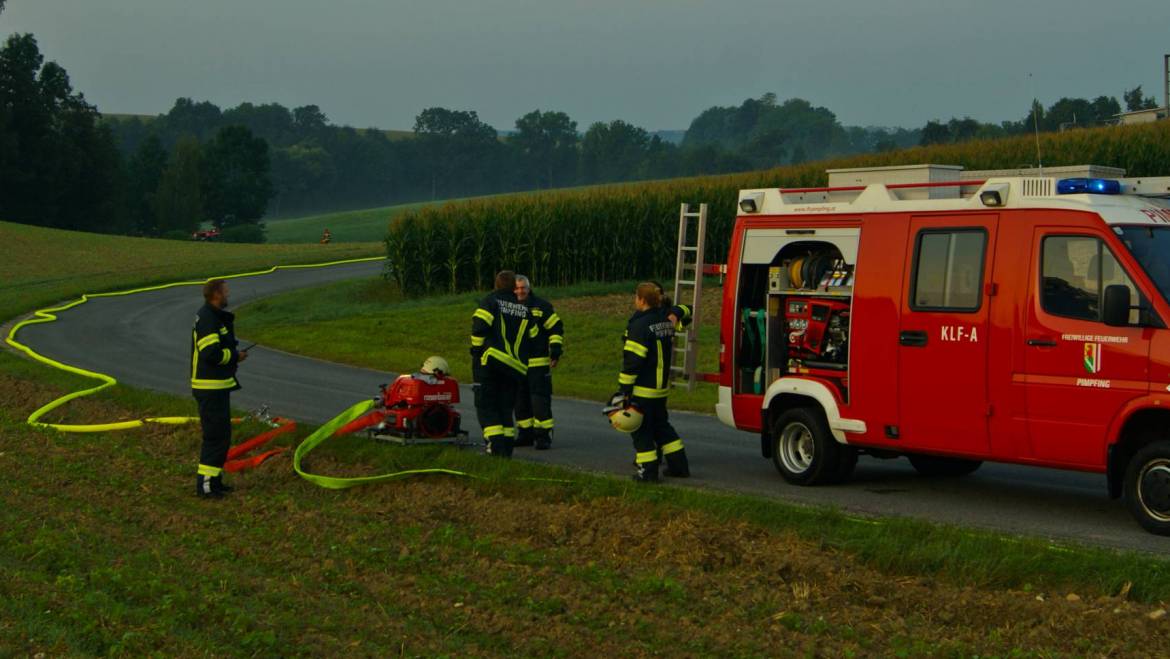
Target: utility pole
[[1166, 85]]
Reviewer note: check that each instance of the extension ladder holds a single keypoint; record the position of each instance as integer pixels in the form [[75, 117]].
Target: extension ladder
[[688, 289]]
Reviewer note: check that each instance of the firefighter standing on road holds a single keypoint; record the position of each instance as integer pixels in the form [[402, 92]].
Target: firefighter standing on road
[[644, 384], [534, 419], [500, 342], [214, 358]]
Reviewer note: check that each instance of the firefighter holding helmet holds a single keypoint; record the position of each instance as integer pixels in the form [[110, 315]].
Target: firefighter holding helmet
[[639, 406]]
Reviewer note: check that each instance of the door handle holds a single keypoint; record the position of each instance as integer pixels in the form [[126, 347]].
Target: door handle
[[1042, 343], [912, 338]]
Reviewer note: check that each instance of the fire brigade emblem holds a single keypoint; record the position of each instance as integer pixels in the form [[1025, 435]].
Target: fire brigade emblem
[[1092, 358]]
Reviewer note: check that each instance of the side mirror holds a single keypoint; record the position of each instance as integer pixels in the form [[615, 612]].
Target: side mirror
[[1115, 310]]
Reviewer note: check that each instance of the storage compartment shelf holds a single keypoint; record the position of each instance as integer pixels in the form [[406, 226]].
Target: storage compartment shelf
[[839, 291]]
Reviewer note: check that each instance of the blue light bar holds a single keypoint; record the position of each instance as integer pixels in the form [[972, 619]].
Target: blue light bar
[[1088, 186]]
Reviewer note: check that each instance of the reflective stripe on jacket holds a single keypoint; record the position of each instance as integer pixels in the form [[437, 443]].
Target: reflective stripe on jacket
[[547, 333], [500, 331], [213, 350], [646, 354]]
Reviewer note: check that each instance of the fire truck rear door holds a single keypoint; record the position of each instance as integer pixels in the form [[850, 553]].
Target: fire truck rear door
[[944, 332]]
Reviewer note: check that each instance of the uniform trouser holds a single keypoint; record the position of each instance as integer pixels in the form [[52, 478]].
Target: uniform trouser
[[534, 402], [215, 416], [495, 397], [655, 436]]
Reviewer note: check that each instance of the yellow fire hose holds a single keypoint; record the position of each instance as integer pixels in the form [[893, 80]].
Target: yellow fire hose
[[47, 315]]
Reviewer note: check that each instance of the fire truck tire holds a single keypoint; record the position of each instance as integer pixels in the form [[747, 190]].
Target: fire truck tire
[[804, 450], [933, 465], [1147, 487]]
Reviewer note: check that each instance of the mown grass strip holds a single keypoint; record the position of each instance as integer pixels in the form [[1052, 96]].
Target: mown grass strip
[[42, 266]]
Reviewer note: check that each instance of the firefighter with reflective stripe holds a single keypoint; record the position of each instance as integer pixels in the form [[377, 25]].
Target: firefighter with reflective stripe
[[645, 382], [534, 419], [679, 314], [214, 358], [500, 343]]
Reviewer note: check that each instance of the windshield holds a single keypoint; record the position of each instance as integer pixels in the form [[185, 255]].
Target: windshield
[[1151, 247]]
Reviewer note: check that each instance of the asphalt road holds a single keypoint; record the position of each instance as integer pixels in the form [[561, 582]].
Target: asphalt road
[[143, 341]]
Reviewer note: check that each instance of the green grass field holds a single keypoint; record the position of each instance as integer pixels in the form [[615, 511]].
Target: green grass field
[[42, 266], [104, 551], [368, 323], [366, 225]]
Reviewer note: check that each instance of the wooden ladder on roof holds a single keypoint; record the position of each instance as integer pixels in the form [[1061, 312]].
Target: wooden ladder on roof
[[688, 289]]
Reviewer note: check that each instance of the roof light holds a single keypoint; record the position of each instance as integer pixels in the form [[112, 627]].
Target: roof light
[[751, 202], [994, 194], [1088, 186]]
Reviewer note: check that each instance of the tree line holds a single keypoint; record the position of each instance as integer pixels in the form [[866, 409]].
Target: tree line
[[61, 165], [1064, 114], [318, 166]]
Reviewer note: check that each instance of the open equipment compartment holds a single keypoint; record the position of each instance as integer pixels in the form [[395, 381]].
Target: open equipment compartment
[[794, 307]]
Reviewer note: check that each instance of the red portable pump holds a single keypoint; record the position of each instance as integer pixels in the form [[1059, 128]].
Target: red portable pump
[[416, 408]]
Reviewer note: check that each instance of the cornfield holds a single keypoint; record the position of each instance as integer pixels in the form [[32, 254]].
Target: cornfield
[[629, 231]]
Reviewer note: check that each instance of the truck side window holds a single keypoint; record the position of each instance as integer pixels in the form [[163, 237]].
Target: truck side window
[[948, 270], [1074, 273]]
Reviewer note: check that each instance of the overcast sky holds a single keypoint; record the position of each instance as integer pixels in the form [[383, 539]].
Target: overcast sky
[[655, 63]]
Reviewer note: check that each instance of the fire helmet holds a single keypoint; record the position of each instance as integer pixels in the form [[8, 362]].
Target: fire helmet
[[435, 365], [626, 417]]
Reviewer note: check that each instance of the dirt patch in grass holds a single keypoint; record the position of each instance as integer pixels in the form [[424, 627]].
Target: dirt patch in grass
[[744, 589], [104, 532]]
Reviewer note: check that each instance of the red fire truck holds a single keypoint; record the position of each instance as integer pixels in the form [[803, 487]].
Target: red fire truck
[[955, 318]]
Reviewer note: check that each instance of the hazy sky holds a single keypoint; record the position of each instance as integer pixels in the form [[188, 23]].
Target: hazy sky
[[652, 62]]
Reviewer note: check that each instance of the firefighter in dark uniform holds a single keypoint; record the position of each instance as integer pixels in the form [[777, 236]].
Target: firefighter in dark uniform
[[534, 419], [214, 358], [644, 383], [500, 342]]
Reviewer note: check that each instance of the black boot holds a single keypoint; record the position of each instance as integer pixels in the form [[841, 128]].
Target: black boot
[[506, 444], [205, 489], [524, 437], [677, 465], [499, 447], [647, 472], [218, 484], [543, 439]]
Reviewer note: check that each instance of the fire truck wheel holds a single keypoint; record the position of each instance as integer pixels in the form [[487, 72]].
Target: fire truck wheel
[[933, 465], [804, 450], [1147, 487]]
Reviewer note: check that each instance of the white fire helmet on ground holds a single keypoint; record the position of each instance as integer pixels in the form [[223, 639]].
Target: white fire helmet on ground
[[435, 365]]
